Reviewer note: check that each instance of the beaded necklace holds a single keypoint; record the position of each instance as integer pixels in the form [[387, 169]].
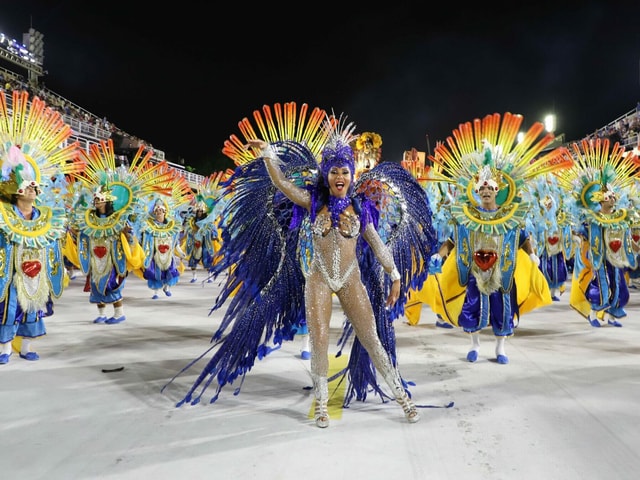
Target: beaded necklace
[[337, 205]]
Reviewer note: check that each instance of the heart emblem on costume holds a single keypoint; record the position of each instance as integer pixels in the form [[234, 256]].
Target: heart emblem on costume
[[198, 244], [31, 268], [100, 251], [553, 240], [615, 245], [163, 248], [485, 259], [635, 237]]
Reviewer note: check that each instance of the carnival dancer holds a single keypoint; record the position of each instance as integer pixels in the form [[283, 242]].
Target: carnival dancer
[[551, 227], [490, 276], [31, 233], [440, 196], [159, 237], [263, 251], [107, 245], [201, 240], [603, 181]]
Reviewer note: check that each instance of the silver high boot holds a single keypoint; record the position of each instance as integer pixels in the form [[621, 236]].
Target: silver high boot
[[321, 390]]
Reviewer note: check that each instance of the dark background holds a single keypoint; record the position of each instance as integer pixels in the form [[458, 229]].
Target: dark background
[[181, 77]]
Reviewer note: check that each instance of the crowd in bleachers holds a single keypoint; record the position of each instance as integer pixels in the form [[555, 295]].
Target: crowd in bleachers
[[624, 129], [81, 120]]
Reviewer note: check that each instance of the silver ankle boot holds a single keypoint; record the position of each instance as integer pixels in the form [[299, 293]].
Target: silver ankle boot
[[321, 389], [392, 377]]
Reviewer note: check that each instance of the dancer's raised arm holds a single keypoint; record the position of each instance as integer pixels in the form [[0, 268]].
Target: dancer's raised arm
[[297, 195]]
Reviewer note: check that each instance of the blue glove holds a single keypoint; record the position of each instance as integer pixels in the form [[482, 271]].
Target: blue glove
[[435, 264]]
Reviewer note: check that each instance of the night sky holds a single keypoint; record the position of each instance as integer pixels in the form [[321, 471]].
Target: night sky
[[182, 78]]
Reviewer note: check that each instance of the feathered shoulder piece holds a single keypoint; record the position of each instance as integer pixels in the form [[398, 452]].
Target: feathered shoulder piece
[[487, 151], [32, 147], [600, 170]]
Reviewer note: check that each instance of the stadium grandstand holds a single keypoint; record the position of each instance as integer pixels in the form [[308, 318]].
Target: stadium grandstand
[[88, 128]]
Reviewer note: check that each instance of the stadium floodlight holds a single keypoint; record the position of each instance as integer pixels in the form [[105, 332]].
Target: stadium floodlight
[[34, 41], [550, 123]]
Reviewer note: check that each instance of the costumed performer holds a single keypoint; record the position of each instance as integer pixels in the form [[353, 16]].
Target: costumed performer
[[550, 226], [201, 239], [603, 182], [159, 237], [490, 275], [347, 256], [440, 196], [32, 222], [106, 243]]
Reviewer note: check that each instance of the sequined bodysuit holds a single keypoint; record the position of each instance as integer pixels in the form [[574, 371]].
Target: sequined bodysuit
[[335, 270]]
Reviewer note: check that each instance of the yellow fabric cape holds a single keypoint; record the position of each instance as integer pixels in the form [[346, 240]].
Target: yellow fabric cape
[[445, 295], [134, 253], [579, 284]]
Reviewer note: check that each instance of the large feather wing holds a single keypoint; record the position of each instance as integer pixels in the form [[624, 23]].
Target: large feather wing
[[264, 290], [404, 224]]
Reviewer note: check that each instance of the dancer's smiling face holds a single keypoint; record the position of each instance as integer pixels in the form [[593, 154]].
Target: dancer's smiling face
[[339, 179]]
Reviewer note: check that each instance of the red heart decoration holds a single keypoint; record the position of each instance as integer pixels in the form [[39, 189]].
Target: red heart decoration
[[163, 248], [31, 268], [100, 251], [615, 245], [198, 244], [553, 240], [636, 237], [485, 259]]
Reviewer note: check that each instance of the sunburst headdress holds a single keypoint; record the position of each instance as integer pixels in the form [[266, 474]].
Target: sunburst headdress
[[487, 152], [180, 193], [210, 191], [31, 151], [128, 188], [598, 172]]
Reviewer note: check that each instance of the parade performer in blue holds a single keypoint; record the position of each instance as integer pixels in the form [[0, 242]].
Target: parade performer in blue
[[33, 220], [159, 237], [106, 243], [490, 276], [603, 182], [368, 241], [551, 228]]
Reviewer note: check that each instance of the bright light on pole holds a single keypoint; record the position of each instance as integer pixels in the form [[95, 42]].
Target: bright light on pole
[[550, 123]]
